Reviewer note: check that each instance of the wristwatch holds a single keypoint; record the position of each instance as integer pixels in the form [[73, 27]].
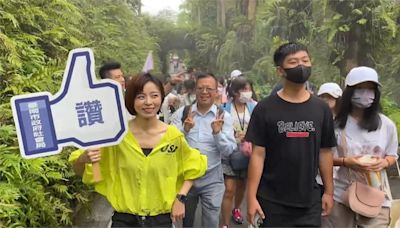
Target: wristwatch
[[182, 198]]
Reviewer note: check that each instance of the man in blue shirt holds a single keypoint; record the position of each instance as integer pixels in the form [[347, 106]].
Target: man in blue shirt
[[210, 131]]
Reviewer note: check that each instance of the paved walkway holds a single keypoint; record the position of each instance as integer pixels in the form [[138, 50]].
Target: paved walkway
[[394, 181], [101, 212]]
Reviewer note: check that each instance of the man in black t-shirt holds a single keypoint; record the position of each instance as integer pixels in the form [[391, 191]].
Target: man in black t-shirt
[[292, 134]]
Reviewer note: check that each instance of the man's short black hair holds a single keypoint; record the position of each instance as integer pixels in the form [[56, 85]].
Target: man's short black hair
[[107, 67], [287, 49], [201, 74]]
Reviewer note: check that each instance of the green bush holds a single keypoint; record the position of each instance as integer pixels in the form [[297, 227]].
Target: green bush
[[392, 110], [35, 38]]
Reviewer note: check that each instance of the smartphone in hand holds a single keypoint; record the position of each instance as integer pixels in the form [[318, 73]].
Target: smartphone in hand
[[256, 222]]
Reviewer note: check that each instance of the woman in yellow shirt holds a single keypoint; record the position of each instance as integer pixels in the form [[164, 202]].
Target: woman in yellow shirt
[[147, 176]]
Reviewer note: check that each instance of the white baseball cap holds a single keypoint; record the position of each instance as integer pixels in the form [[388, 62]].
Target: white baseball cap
[[330, 88], [235, 73], [361, 74]]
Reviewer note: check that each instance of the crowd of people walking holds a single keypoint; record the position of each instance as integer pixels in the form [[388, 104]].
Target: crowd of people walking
[[299, 157]]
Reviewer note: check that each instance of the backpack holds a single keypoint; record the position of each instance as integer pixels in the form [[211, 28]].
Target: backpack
[[186, 109]]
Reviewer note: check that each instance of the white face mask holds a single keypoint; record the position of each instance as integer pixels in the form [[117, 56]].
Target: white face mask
[[245, 97], [363, 98]]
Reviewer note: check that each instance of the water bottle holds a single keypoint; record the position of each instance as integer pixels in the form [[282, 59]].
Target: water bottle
[[374, 179]]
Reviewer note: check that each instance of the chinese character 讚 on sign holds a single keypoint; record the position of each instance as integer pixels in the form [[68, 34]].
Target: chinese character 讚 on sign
[[89, 113], [84, 112]]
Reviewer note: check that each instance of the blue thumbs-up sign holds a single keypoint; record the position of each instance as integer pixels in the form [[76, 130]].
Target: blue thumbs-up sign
[[84, 113]]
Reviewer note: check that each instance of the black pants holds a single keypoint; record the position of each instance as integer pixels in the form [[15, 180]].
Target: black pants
[[278, 215], [130, 220]]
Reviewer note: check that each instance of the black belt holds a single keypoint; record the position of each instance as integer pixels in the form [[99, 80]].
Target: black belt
[[144, 221]]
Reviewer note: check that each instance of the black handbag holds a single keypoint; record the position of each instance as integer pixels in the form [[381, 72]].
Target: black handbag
[[239, 161]]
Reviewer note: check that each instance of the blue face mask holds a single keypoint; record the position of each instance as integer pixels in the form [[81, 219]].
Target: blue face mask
[[363, 98]]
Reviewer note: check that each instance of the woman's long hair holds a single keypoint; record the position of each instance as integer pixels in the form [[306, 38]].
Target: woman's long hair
[[370, 119], [236, 85]]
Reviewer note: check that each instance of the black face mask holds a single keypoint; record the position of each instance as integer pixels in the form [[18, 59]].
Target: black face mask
[[299, 74]]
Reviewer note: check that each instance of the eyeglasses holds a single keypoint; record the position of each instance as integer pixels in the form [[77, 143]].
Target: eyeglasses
[[208, 90]]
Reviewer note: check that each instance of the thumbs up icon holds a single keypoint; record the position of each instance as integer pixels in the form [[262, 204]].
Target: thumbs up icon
[[84, 112]]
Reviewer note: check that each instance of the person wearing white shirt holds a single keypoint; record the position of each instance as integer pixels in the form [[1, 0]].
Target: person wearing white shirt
[[363, 132]]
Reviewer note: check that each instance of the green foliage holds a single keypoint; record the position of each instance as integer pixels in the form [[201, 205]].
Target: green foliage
[[392, 110], [36, 192], [395, 117], [32, 33], [170, 38], [262, 91], [339, 35], [359, 31], [206, 45], [115, 32], [35, 37]]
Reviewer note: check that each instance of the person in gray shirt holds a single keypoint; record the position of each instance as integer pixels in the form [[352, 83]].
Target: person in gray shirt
[[209, 129]]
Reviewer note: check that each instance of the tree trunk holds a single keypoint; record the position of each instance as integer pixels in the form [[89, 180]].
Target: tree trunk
[[251, 10], [218, 13], [198, 15], [244, 7], [222, 13], [139, 7], [352, 39], [351, 55]]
